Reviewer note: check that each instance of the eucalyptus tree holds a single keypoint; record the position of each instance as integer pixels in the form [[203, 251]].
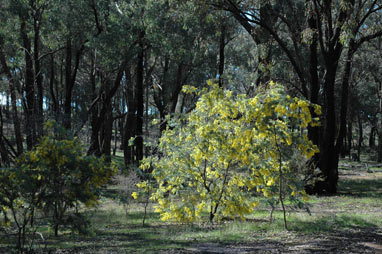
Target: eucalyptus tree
[[330, 31], [369, 91], [190, 49], [24, 18]]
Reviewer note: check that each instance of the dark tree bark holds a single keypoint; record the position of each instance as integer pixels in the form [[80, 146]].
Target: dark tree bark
[[52, 81], [159, 96], [314, 132], [379, 130], [360, 136], [39, 114], [130, 124], [328, 28], [222, 45], [349, 135], [328, 156], [68, 85], [107, 132], [379, 151], [372, 137], [116, 129], [139, 98], [94, 137], [12, 90], [30, 124], [177, 87], [101, 120], [344, 99], [4, 153], [70, 78]]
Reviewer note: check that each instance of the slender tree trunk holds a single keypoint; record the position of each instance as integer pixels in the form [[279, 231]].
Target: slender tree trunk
[[70, 79], [5, 159], [94, 137], [350, 135], [106, 124], [139, 98], [12, 90], [329, 154], [52, 81], [159, 96], [222, 53], [379, 153], [116, 124], [314, 132], [372, 138], [344, 98], [102, 121], [379, 130], [30, 125], [107, 134], [39, 119], [179, 104], [177, 88], [130, 123], [68, 85], [360, 136]]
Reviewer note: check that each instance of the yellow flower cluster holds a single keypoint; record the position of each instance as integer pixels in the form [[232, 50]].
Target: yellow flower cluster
[[230, 146]]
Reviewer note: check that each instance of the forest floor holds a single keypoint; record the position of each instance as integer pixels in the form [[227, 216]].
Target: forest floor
[[349, 222]]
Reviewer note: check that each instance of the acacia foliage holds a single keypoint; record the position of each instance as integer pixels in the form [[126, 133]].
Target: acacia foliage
[[229, 148], [54, 178]]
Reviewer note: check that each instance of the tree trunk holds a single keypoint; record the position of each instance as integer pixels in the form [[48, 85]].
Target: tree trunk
[[70, 79], [379, 154], [263, 40], [52, 81], [379, 130], [39, 115], [68, 86], [177, 88], [140, 100], [107, 134], [221, 53], [116, 124], [344, 99], [30, 123], [159, 96], [350, 135], [94, 147], [329, 154], [314, 132], [12, 90], [101, 120], [360, 136], [5, 158], [130, 124], [372, 138]]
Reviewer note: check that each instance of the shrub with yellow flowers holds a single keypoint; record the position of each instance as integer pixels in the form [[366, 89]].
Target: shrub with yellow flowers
[[228, 151], [56, 178]]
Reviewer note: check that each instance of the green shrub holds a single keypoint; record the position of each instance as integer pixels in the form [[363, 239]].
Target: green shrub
[[229, 148], [55, 177]]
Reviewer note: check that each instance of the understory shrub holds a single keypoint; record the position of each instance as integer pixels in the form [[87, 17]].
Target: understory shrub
[[56, 179], [230, 149]]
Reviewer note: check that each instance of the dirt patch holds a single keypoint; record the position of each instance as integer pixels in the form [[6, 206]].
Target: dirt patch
[[356, 242]]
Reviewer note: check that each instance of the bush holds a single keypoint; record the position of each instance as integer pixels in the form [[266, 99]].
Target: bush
[[226, 150], [55, 177]]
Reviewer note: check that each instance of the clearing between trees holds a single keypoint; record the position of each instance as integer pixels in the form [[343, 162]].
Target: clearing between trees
[[349, 222]]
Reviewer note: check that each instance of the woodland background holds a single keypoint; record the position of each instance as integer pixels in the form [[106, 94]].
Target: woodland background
[[105, 69]]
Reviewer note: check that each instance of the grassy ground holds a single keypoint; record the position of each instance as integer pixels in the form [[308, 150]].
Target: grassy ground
[[349, 222]]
